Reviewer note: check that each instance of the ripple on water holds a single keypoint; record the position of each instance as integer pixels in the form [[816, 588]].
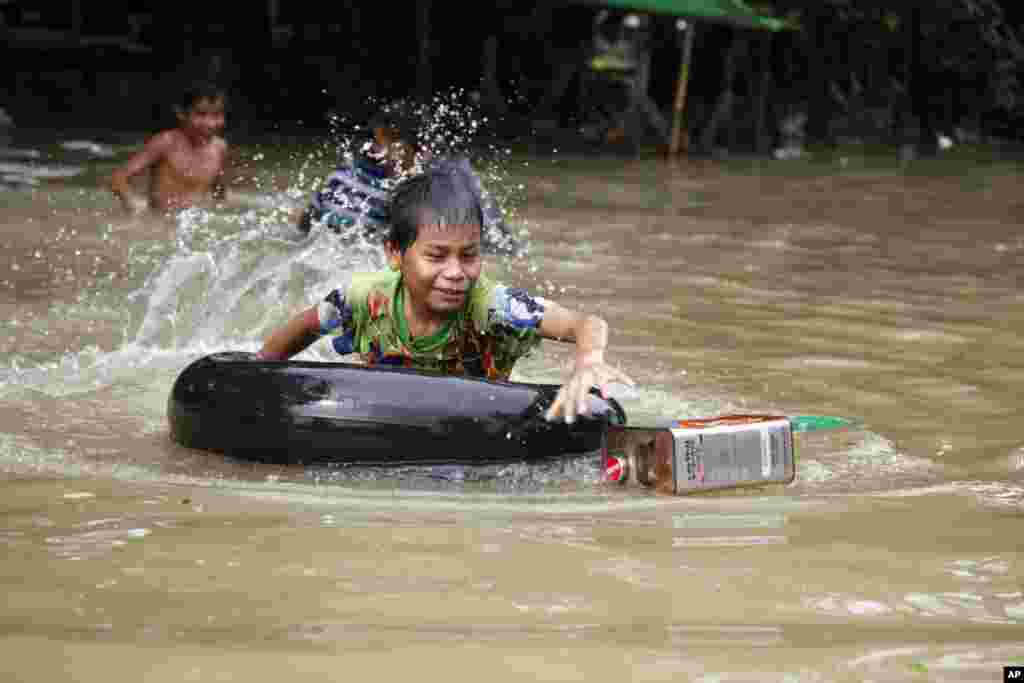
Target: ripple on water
[[924, 335], [837, 604], [640, 574], [978, 607], [828, 362], [94, 543], [551, 604], [871, 462], [994, 494], [946, 662]]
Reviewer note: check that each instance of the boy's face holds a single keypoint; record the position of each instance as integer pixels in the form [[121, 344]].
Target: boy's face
[[204, 119], [440, 267]]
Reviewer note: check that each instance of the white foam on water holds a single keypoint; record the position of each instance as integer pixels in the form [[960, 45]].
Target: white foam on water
[[14, 153], [93, 148], [872, 458], [234, 289], [38, 170], [828, 362]]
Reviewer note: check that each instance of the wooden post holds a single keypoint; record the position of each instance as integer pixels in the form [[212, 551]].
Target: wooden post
[[680, 100]]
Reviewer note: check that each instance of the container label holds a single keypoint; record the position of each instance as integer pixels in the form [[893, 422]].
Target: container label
[[693, 461], [614, 468]]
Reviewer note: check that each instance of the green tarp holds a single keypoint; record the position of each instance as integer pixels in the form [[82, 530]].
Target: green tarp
[[732, 12]]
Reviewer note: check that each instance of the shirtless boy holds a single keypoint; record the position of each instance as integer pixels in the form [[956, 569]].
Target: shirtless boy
[[187, 162]]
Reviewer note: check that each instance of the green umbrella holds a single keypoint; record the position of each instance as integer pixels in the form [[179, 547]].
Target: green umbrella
[[732, 12]]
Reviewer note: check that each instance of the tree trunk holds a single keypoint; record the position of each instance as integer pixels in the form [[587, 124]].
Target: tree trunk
[[171, 48], [723, 106], [896, 75], [918, 84], [566, 65], [258, 45], [641, 106], [954, 105], [8, 77], [76, 21], [491, 96], [424, 81], [819, 109], [763, 142]]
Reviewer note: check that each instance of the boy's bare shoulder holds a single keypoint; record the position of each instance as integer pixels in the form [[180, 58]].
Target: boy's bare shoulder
[[165, 140], [169, 136]]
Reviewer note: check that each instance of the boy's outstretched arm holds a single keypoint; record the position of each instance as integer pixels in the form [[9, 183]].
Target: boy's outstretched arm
[[293, 338], [589, 370], [155, 148], [227, 176], [227, 184]]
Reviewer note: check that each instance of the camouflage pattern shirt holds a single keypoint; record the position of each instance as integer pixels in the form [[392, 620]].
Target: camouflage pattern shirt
[[498, 326]]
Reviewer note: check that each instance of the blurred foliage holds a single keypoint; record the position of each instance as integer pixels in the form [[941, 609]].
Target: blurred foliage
[[970, 39]]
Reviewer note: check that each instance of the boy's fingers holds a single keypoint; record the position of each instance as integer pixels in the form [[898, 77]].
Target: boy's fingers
[[568, 413], [556, 405], [568, 401], [619, 374]]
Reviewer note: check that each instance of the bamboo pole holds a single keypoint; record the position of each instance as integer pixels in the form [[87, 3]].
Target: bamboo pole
[[681, 84]]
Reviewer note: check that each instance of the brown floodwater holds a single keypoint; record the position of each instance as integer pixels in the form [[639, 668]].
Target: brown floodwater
[[886, 294]]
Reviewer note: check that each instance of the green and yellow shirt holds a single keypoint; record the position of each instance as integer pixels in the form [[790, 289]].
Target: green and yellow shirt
[[498, 326]]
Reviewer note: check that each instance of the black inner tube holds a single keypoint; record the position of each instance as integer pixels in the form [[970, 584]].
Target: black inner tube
[[300, 412]]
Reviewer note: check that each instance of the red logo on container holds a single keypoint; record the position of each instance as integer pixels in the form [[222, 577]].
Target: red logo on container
[[614, 468]]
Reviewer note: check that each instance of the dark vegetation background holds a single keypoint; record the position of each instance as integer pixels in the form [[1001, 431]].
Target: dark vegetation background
[[863, 70]]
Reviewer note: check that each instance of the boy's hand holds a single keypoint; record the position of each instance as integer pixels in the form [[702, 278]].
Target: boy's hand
[[590, 371]]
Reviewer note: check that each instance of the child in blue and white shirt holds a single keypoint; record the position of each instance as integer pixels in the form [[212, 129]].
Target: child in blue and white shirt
[[357, 194]]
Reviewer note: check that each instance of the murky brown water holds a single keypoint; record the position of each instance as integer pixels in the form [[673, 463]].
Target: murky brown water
[[888, 296]]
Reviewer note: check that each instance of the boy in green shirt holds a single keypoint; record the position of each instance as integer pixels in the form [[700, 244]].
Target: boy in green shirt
[[436, 310]]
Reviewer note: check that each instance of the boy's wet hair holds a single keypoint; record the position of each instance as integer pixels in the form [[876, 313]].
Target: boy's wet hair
[[399, 117], [444, 194], [201, 90]]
